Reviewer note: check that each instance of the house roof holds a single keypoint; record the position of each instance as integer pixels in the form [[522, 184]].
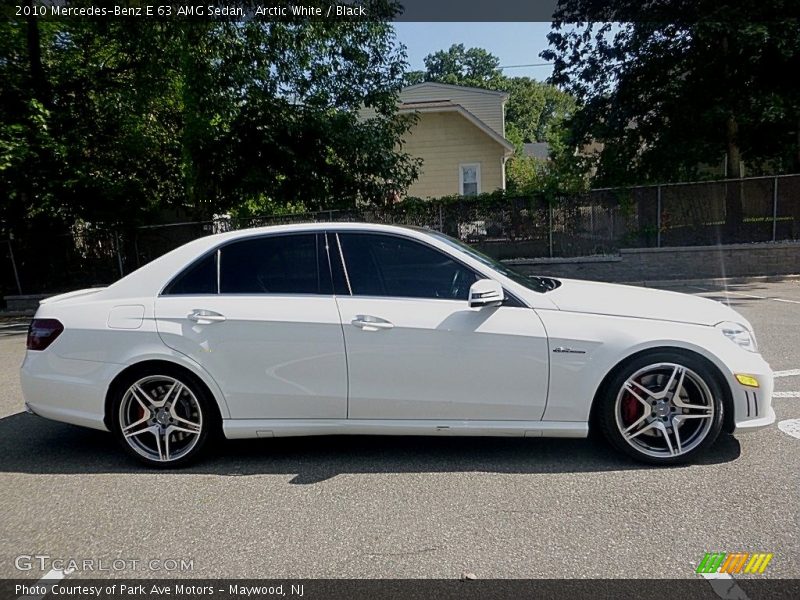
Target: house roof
[[446, 86], [537, 150], [448, 106]]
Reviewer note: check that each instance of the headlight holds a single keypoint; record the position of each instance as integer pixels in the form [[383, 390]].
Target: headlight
[[738, 334]]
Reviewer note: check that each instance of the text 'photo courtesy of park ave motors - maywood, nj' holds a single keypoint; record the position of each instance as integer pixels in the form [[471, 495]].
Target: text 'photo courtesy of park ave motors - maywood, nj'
[[161, 589]]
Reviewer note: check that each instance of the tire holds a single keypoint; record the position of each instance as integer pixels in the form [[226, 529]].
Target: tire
[[642, 416], [163, 416]]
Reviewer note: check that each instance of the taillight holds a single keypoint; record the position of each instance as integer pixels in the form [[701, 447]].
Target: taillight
[[43, 332]]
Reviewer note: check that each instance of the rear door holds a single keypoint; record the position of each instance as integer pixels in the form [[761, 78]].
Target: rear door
[[259, 315], [415, 348]]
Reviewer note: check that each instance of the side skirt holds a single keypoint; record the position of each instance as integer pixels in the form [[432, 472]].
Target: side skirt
[[266, 428]]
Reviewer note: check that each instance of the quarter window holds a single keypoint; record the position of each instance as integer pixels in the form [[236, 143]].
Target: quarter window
[[386, 265], [281, 264], [197, 278]]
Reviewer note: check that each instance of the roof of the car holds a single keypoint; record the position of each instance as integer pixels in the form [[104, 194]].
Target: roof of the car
[[311, 227]]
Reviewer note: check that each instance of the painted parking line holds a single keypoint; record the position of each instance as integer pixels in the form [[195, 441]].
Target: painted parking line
[[51, 577], [725, 586], [745, 295], [789, 373], [786, 394], [790, 427], [761, 297]]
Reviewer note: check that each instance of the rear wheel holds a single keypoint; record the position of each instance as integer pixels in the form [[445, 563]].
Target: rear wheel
[[163, 419], [663, 408]]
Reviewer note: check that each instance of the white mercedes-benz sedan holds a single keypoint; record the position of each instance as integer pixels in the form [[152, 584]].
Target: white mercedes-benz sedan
[[373, 329]]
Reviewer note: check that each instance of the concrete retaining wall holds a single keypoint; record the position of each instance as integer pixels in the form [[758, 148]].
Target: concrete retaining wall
[[661, 264], [26, 303]]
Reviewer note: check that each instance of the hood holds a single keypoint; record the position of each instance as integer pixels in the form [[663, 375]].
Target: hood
[[643, 303]]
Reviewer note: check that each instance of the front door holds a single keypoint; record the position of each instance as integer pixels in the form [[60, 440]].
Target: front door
[[416, 350], [265, 326]]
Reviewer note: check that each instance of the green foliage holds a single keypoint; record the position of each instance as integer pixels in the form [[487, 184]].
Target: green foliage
[[458, 65], [496, 199], [535, 111], [668, 99], [414, 77], [263, 206], [525, 174], [125, 121]]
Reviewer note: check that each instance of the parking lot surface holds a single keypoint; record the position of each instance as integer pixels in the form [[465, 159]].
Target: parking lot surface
[[408, 507]]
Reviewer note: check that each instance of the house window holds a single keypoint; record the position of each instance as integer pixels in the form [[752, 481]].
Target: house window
[[469, 179]]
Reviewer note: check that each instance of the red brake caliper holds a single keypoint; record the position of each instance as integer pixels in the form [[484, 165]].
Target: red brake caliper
[[630, 409]]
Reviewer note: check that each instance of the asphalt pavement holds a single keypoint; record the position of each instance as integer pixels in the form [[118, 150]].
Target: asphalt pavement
[[372, 507]]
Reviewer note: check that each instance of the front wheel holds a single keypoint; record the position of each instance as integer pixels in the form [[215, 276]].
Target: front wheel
[[162, 419], [662, 408]]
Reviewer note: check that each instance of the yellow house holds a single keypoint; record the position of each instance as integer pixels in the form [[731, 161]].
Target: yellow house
[[460, 137]]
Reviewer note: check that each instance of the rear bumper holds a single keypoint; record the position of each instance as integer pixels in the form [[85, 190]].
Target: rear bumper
[[67, 390]]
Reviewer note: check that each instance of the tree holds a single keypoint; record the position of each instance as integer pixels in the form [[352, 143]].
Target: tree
[[535, 111], [317, 149], [668, 96], [461, 66], [119, 121], [414, 77]]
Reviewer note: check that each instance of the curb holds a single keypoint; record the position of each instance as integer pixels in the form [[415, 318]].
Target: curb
[[714, 281], [14, 314]]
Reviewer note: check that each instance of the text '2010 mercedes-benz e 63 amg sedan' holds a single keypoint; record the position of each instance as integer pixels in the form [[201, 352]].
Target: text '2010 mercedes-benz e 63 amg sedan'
[[372, 329]]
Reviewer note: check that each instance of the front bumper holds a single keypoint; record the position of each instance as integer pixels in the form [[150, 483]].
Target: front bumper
[[756, 424], [752, 406]]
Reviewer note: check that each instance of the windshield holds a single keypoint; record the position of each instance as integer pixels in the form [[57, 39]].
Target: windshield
[[532, 282]]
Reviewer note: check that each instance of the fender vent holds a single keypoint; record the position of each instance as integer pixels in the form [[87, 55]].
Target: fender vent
[[755, 403]]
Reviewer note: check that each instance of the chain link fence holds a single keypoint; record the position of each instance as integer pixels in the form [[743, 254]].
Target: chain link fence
[[598, 222]]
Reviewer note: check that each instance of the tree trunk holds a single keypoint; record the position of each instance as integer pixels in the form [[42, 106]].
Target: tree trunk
[[38, 81], [733, 190], [40, 92], [733, 160], [797, 149]]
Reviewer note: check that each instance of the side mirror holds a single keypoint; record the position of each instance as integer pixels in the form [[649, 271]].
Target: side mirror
[[486, 292]]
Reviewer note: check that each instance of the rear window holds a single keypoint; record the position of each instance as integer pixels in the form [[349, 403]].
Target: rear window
[[280, 264]]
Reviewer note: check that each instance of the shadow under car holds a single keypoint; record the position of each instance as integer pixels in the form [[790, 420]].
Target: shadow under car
[[30, 444]]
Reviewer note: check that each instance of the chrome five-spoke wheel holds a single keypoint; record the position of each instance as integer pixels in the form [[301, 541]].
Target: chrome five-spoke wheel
[[160, 418], [664, 410]]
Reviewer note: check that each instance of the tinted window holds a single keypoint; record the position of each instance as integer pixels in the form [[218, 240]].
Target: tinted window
[[532, 282], [198, 278], [385, 265], [282, 264]]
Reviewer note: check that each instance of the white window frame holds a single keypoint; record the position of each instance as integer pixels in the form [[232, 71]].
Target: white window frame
[[461, 176]]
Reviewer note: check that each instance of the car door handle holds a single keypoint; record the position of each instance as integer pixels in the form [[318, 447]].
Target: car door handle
[[205, 317], [370, 323]]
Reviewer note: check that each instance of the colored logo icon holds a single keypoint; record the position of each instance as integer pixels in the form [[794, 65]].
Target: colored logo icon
[[734, 562]]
